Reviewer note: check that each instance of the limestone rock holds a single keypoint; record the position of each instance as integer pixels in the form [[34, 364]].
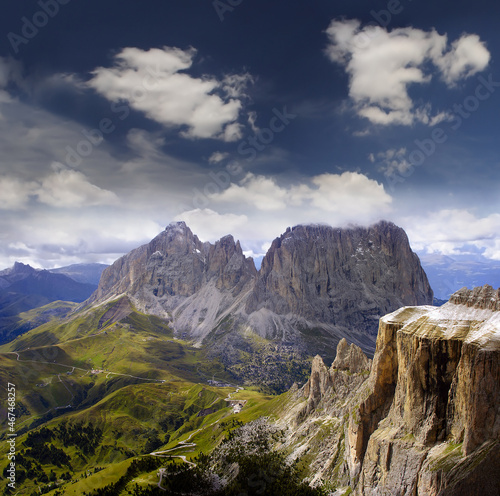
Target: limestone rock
[[342, 280], [432, 411], [351, 358], [177, 276]]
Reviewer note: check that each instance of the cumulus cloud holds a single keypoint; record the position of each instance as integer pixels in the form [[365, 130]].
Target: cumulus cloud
[[15, 193], [258, 208], [210, 225], [70, 189], [258, 191], [449, 231], [155, 83], [383, 64], [349, 194]]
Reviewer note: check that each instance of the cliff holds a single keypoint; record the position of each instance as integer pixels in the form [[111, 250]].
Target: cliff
[[427, 419], [340, 281]]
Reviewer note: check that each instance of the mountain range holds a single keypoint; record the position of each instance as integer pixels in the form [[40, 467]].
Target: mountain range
[[181, 349], [316, 285], [449, 274], [23, 288]]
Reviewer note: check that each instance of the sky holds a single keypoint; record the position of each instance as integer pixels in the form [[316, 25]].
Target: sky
[[246, 117]]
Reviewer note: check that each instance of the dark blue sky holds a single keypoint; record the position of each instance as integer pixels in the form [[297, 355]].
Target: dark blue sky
[[118, 117]]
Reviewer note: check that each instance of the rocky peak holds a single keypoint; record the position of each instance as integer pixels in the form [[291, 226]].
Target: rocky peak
[[482, 297], [18, 271], [345, 277], [351, 357], [176, 266], [319, 382], [228, 264], [349, 369]]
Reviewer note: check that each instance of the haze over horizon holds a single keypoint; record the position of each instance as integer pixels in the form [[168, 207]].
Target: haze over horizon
[[117, 119]]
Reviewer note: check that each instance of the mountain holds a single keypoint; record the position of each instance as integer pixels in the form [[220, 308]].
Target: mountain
[[426, 421], [23, 288], [316, 285], [85, 273], [23, 279], [342, 280], [449, 274]]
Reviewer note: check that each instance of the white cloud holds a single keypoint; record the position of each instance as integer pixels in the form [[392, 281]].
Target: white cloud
[[467, 56], [217, 157], [154, 82], [258, 191], [15, 193], [209, 225], [392, 162], [70, 189], [349, 191], [63, 189], [449, 231], [383, 64], [349, 194], [53, 238]]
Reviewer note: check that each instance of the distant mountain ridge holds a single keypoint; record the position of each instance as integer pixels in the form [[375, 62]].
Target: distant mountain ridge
[[23, 288], [86, 273], [449, 274], [26, 280], [317, 285]]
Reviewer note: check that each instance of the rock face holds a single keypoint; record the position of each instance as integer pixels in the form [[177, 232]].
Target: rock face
[[324, 382], [177, 276], [345, 278], [427, 419], [316, 415], [430, 423]]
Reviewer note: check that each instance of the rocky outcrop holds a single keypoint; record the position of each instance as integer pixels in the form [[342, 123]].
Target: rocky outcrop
[[351, 358], [316, 416], [426, 422], [430, 421]]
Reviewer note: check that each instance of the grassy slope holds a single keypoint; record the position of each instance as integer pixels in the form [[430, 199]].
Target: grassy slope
[[131, 378]]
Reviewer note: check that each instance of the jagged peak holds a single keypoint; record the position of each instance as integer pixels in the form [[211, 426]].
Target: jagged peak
[[481, 297], [228, 238], [350, 357], [318, 363], [179, 226]]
